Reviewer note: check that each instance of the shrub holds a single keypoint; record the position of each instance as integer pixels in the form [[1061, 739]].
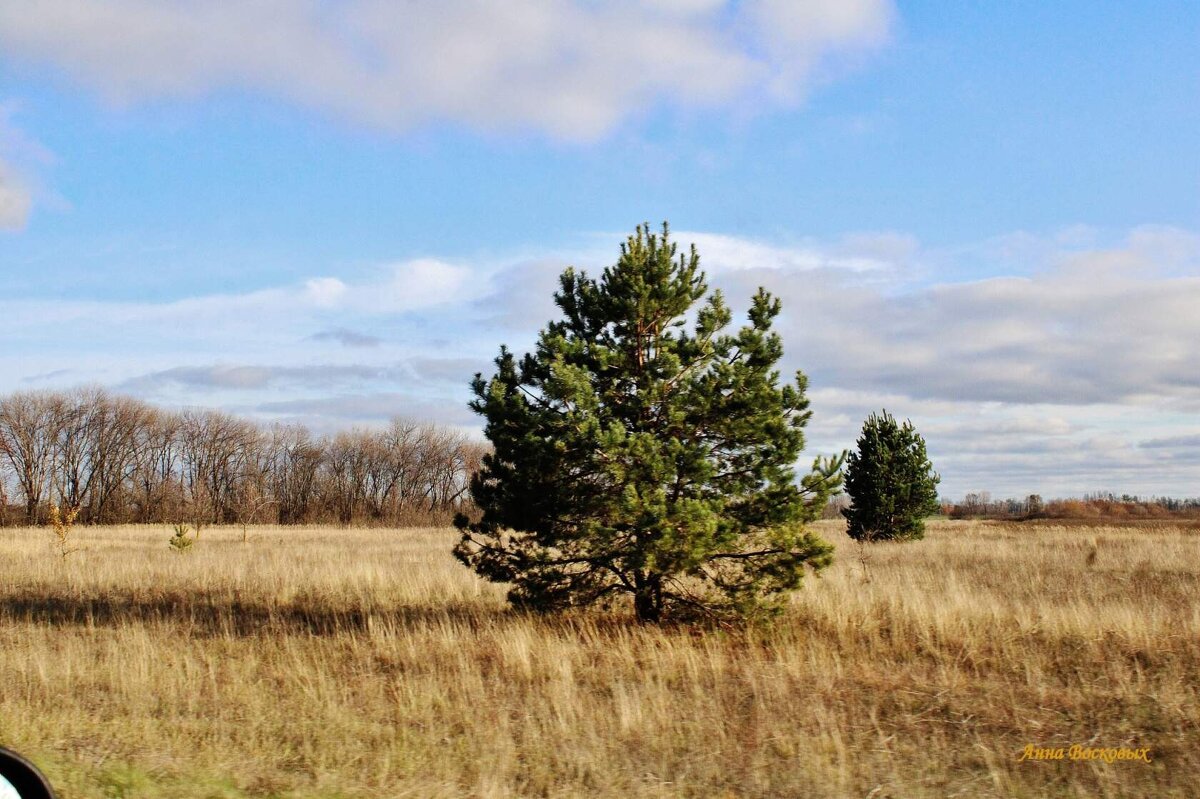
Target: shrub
[[61, 524]]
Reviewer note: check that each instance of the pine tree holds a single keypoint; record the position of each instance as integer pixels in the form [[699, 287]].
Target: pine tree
[[891, 482], [633, 457]]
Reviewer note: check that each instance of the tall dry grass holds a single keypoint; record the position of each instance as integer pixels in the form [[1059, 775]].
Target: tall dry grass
[[350, 663]]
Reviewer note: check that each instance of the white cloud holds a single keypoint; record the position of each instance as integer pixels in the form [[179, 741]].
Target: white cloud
[[521, 295], [1089, 326], [324, 292], [286, 327], [15, 200], [21, 158], [1015, 449], [857, 253], [339, 411], [415, 284], [250, 377], [795, 35], [16, 197], [571, 68]]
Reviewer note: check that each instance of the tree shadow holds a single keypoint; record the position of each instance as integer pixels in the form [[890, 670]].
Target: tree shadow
[[214, 614], [217, 615]]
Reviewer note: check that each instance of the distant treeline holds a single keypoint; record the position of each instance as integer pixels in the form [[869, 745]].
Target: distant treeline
[[1090, 506], [120, 460], [1101, 505]]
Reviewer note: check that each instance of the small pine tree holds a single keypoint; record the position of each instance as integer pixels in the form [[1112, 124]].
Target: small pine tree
[[181, 542], [634, 457], [891, 483]]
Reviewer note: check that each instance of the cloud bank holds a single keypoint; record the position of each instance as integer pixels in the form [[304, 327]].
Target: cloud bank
[[569, 68], [1089, 327], [1078, 373]]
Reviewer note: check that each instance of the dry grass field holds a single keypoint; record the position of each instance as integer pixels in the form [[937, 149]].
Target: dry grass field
[[350, 663]]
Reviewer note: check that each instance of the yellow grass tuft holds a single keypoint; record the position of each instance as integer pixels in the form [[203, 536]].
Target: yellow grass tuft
[[61, 526], [367, 663]]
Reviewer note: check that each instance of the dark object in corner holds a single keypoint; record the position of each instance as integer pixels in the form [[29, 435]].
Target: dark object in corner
[[23, 777]]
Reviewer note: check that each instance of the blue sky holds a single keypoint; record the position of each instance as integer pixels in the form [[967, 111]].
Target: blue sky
[[983, 216]]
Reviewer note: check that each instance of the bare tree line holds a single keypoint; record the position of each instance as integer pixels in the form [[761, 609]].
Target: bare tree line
[[1099, 505], [119, 460]]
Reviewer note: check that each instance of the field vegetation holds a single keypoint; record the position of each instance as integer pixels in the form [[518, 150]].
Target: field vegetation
[[323, 662]]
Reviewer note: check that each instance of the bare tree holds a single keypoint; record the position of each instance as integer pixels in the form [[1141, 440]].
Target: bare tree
[[216, 448], [29, 429], [155, 478], [294, 457], [347, 462], [116, 451], [95, 450]]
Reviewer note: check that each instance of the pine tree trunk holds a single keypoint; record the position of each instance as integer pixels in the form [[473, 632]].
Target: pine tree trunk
[[647, 601]]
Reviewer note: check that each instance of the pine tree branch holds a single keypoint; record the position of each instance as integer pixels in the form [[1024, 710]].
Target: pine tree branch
[[747, 555]]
